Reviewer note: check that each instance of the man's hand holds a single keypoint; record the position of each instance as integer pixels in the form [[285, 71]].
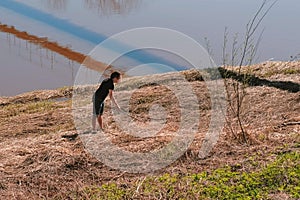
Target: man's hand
[[112, 98]]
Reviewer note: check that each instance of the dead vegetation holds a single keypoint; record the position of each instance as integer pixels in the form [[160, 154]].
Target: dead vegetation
[[42, 156]]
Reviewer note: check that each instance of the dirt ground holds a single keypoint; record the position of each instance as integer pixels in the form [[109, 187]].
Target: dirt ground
[[42, 156]]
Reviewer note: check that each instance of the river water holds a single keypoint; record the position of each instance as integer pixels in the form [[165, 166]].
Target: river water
[[80, 25]]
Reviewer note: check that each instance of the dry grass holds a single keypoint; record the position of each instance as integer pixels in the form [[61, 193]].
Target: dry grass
[[42, 157], [283, 71]]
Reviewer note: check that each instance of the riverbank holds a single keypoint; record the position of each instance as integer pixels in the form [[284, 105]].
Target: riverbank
[[42, 156]]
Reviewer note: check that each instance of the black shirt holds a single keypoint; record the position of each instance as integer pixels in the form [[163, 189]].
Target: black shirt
[[104, 88]]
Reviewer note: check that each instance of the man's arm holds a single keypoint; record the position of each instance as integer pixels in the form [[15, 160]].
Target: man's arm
[[112, 98]]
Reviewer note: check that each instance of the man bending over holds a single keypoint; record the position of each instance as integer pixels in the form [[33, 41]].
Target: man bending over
[[106, 89]]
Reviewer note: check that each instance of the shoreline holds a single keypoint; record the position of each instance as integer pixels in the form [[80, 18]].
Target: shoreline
[[270, 70]]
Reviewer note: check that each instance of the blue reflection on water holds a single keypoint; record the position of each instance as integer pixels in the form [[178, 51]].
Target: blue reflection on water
[[53, 21], [84, 33]]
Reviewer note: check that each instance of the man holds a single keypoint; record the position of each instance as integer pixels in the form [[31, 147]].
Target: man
[[106, 89]]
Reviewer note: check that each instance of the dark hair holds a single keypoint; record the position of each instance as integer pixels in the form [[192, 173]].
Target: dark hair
[[115, 75]]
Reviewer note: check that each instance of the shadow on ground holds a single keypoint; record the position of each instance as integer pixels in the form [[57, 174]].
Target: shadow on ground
[[252, 80]]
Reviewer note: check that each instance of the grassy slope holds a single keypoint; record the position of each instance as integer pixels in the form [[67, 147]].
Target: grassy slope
[[278, 178], [42, 157]]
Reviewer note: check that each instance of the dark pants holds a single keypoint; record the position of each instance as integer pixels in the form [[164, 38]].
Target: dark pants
[[98, 106]]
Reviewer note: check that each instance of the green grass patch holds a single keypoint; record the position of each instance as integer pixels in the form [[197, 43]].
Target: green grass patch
[[28, 108], [291, 71], [288, 71], [280, 176]]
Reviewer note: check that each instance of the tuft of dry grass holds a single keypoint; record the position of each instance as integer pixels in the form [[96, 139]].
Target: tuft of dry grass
[[283, 71]]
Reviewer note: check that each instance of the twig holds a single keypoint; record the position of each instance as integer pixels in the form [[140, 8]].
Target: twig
[[289, 124], [138, 187]]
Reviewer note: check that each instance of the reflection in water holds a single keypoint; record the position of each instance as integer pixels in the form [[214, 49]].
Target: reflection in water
[[55, 48], [39, 54], [57, 4], [42, 52], [108, 7], [103, 7], [29, 66], [41, 43]]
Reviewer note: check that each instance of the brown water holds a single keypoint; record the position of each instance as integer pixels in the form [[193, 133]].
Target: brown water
[[28, 65]]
